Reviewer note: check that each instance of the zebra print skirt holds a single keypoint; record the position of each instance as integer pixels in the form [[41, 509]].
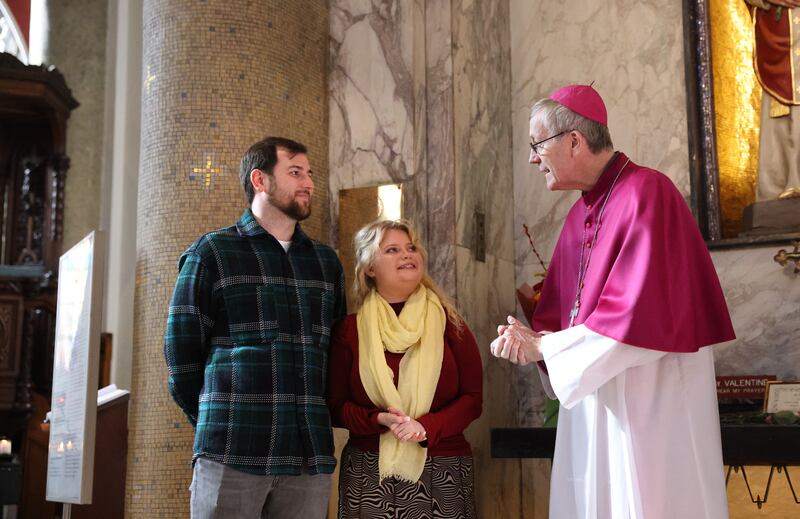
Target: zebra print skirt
[[444, 491]]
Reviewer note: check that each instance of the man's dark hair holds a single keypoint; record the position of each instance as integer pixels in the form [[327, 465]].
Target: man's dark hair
[[263, 155]]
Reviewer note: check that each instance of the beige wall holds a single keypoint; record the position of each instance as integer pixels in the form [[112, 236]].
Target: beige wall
[[77, 47], [121, 170], [97, 45]]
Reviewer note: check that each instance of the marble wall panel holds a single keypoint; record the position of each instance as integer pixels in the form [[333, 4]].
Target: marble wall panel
[[633, 51], [763, 299], [372, 95], [416, 206], [440, 153], [391, 83], [485, 290], [482, 97], [485, 296]]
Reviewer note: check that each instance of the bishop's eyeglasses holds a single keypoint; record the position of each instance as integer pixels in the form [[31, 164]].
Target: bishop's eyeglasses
[[537, 146]]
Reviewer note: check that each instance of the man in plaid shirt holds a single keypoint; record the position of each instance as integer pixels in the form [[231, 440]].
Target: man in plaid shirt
[[247, 348]]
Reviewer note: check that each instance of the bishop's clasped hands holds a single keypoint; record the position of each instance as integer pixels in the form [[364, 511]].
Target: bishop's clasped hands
[[517, 343]]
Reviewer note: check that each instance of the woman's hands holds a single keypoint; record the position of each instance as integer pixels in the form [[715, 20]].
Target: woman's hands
[[411, 431], [392, 417], [404, 428]]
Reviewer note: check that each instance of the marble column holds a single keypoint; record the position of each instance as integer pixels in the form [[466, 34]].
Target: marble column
[[440, 144], [217, 76], [485, 288]]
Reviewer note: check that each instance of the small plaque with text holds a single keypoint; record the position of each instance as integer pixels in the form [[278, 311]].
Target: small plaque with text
[[750, 387]]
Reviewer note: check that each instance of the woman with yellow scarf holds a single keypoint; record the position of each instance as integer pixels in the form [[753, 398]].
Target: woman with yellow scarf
[[406, 380]]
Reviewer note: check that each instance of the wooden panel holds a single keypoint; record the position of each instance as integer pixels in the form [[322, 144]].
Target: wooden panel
[[357, 207], [110, 465], [741, 444], [11, 311], [34, 472]]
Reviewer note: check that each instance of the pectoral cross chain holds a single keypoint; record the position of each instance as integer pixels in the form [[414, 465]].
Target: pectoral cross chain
[[574, 312], [583, 268]]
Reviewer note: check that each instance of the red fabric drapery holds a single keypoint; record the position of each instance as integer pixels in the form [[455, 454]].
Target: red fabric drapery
[[21, 11]]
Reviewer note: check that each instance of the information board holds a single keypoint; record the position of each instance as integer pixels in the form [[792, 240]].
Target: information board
[[70, 457]]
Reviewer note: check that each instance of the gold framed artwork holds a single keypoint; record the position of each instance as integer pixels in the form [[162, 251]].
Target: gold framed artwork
[[782, 396], [724, 110]]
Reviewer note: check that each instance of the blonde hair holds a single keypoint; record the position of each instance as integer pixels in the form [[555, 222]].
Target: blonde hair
[[366, 243]]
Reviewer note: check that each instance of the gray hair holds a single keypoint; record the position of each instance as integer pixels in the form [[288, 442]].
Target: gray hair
[[556, 118]]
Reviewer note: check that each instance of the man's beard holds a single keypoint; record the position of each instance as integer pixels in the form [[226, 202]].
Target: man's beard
[[292, 209]]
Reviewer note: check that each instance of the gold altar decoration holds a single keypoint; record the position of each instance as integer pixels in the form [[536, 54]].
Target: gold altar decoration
[[737, 102]]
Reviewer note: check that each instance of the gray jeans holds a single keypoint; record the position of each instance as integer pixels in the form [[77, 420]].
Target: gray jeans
[[219, 491]]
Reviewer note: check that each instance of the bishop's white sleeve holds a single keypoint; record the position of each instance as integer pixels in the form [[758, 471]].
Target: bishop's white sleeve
[[545, 378], [579, 361]]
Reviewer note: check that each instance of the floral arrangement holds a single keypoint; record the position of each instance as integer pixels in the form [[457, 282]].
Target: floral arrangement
[[528, 297], [757, 417]]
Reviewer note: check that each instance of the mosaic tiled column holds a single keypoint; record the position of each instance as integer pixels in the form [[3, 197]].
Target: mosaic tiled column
[[217, 76]]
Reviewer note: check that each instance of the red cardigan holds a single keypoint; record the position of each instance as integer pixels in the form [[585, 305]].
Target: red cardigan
[[456, 402]]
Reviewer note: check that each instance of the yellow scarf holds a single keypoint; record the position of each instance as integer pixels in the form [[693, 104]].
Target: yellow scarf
[[419, 333]]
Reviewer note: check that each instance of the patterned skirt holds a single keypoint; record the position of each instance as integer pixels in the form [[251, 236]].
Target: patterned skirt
[[444, 491]]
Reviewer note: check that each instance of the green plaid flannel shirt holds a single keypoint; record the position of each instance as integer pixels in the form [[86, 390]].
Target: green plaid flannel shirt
[[246, 347]]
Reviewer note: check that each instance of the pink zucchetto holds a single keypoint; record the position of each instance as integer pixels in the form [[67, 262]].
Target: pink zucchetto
[[583, 100]]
